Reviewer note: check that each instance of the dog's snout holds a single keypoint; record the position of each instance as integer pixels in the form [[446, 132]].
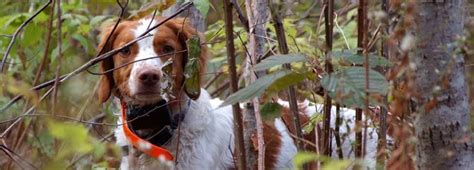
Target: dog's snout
[[149, 77]]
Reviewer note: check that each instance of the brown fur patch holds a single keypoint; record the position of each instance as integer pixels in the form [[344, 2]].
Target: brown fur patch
[[272, 140], [287, 118]]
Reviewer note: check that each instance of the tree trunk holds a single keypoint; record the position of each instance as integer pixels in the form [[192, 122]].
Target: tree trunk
[[257, 14], [442, 119]]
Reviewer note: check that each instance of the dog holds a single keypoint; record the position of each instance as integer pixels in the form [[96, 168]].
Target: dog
[[198, 134]]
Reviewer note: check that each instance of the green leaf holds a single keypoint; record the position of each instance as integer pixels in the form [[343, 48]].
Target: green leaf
[[270, 111], [304, 157], [43, 142], [315, 119], [192, 83], [288, 80], [351, 57], [336, 165], [97, 20], [148, 8], [75, 136], [328, 164], [82, 40], [55, 53], [347, 85], [32, 34], [278, 60], [255, 89]]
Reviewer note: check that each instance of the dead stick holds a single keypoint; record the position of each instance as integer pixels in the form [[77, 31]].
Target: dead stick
[[238, 122], [328, 22], [283, 47]]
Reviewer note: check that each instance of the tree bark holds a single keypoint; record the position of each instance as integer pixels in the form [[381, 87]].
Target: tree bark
[[442, 121], [257, 14]]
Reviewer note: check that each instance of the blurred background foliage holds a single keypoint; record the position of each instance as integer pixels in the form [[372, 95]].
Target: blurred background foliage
[[66, 141]]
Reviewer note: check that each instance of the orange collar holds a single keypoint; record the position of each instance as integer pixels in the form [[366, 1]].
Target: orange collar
[[143, 145]]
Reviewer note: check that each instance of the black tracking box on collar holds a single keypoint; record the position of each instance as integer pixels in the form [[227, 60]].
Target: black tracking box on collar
[[153, 122]]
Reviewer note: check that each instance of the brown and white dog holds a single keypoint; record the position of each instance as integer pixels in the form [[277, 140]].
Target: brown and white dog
[[200, 134], [205, 138]]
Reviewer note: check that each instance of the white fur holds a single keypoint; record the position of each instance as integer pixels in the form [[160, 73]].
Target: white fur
[[288, 147], [145, 50]]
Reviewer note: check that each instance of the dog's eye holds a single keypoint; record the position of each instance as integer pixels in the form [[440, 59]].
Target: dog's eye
[[125, 51], [168, 49]]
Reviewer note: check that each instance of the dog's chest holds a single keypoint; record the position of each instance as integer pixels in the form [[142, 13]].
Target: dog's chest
[[203, 139]]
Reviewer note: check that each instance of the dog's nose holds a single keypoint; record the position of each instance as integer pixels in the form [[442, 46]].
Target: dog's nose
[[149, 77]]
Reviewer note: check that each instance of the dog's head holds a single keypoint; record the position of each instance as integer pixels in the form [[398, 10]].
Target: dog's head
[[141, 82]]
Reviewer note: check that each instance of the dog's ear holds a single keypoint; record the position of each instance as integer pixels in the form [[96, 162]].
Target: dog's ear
[[193, 77], [106, 44]]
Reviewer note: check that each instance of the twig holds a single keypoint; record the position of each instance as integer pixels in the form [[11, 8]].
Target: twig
[[283, 47], [238, 122], [318, 27], [123, 8], [361, 44], [134, 61], [382, 136], [16, 119], [220, 88], [59, 59], [209, 83], [328, 22], [240, 14], [303, 140], [11, 154], [46, 48], [358, 133], [342, 32], [366, 65], [316, 130], [308, 11], [374, 38], [15, 35], [337, 133]]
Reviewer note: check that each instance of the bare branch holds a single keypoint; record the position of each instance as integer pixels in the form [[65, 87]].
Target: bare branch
[[12, 155], [283, 47], [59, 59], [240, 14], [46, 48], [362, 44], [328, 22], [238, 122]]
